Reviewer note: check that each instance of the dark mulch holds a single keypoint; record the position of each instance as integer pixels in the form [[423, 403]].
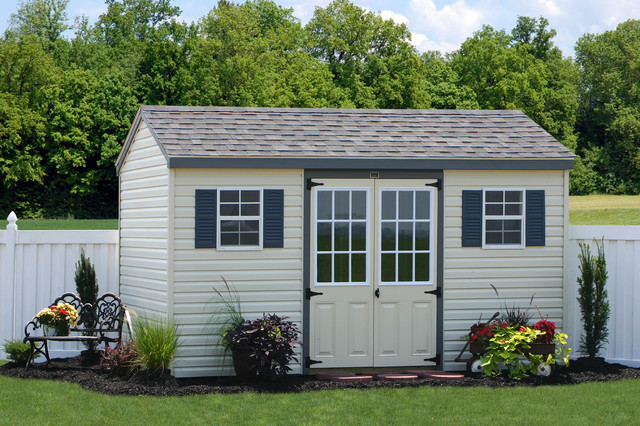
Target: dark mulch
[[91, 377]]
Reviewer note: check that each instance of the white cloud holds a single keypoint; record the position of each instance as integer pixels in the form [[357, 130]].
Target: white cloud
[[451, 24], [424, 44], [549, 8], [398, 18]]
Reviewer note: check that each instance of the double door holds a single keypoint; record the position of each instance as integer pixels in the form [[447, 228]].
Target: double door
[[373, 267]]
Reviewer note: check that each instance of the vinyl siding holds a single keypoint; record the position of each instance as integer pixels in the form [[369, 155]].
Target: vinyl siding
[[267, 280], [144, 207], [517, 273]]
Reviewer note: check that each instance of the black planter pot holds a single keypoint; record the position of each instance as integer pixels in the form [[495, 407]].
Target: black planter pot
[[243, 363]]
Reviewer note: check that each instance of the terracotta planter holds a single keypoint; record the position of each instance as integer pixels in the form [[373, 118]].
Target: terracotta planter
[[243, 364]]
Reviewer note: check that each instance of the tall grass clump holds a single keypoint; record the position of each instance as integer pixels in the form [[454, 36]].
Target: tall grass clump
[[227, 313], [156, 341]]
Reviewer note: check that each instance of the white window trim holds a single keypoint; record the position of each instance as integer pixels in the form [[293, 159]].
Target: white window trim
[[431, 250], [521, 217], [367, 233], [220, 218]]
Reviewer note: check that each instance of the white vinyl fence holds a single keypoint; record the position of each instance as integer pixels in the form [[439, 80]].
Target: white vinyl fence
[[622, 251], [38, 266]]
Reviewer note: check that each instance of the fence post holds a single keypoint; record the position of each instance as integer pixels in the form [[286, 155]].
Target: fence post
[[9, 279]]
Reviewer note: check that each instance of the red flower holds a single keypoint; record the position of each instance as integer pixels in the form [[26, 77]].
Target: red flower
[[490, 334], [63, 312], [502, 341], [493, 326], [474, 337], [503, 325], [522, 329]]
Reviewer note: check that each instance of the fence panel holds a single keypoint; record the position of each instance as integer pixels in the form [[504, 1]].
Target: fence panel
[[622, 251], [44, 263]]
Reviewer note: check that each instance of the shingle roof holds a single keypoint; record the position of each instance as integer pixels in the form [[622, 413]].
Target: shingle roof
[[186, 131]]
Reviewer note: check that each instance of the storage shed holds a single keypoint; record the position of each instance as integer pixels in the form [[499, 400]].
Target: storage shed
[[377, 231]]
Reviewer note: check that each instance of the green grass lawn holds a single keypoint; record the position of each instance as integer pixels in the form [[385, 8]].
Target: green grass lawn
[[62, 224], [36, 401], [604, 210]]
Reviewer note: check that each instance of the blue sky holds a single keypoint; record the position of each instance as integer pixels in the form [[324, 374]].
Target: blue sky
[[435, 24]]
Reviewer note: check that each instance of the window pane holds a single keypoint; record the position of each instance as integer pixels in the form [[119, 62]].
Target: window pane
[[358, 205], [248, 196], [388, 236], [325, 204], [422, 267], [341, 268], [249, 225], [494, 225], [229, 196], [405, 267], [405, 205], [493, 196], [324, 237], [341, 236], [324, 268], [513, 196], [405, 236], [493, 209], [358, 236], [342, 205], [512, 225], [513, 209], [229, 239], [229, 210], [422, 235], [388, 268], [494, 237], [422, 205], [251, 210], [249, 239], [388, 205], [229, 226], [359, 268], [512, 237]]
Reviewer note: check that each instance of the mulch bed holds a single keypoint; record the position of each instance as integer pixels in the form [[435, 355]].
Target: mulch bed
[[91, 377]]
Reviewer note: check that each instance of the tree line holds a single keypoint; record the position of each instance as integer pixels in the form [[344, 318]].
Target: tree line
[[66, 103]]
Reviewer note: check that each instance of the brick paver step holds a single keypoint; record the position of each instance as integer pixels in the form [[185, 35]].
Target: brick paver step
[[397, 377], [352, 379]]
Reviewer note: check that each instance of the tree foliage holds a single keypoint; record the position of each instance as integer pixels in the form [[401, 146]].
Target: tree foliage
[[67, 101]]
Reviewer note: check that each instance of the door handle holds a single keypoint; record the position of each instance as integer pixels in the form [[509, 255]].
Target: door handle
[[377, 293]]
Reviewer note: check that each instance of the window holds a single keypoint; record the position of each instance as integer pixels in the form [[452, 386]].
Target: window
[[240, 218], [503, 217]]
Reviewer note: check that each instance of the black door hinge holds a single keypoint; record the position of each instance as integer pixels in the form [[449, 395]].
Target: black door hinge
[[435, 359], [311, 184], [308, 362], [308, 294], [437, 184], [437, 292]]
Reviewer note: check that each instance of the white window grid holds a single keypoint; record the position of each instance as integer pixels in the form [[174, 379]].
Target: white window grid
[[349, 252], [259, 218], [503, 217], [413, 252]]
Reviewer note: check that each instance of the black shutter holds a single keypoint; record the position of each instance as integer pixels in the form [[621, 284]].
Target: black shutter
[[471, 218], [206, 219], [535, 232], [273, 218]]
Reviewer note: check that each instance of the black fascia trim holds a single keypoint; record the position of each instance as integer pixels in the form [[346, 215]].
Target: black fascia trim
[[368, 163]]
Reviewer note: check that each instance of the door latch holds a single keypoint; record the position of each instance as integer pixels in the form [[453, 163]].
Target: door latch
[[377, 293]]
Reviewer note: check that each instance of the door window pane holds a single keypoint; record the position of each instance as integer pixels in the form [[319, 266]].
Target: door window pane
[[358, 236], [422, 266], [323, 265], [388, 236], [325, 205], [422, 236], [423, 208], [388, 205], [405, 205], [324, 236], [341, 268], [342, 205], [388, 266], [358, 268], [341, 236], [405, 267], [405, 236], [358, 205]]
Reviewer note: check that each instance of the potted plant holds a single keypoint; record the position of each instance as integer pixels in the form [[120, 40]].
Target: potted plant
[[57, 319], [262, 348]]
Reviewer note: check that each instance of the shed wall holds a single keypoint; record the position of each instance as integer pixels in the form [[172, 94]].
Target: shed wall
[[144, 208], [517, 273], [267, 280]]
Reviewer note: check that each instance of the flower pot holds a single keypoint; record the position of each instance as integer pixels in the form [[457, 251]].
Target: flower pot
[[536, 348], [243, 363], [59, 328]]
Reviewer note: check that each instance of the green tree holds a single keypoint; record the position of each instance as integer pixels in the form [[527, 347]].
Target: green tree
[[45, 19], [609, 106]]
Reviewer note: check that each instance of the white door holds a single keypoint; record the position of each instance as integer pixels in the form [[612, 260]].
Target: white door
[[373, 258]]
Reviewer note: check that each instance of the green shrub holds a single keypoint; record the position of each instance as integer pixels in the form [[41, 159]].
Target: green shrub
[[87, 288], [155, 341], [592, 297], [18, 351]]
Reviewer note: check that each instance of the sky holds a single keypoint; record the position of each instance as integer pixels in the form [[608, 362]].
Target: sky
[[434, 24]]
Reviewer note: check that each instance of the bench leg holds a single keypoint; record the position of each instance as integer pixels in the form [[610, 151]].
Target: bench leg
[[43, 349]]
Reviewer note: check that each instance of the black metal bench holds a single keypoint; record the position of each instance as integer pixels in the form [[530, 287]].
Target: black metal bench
[[101, 322]]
